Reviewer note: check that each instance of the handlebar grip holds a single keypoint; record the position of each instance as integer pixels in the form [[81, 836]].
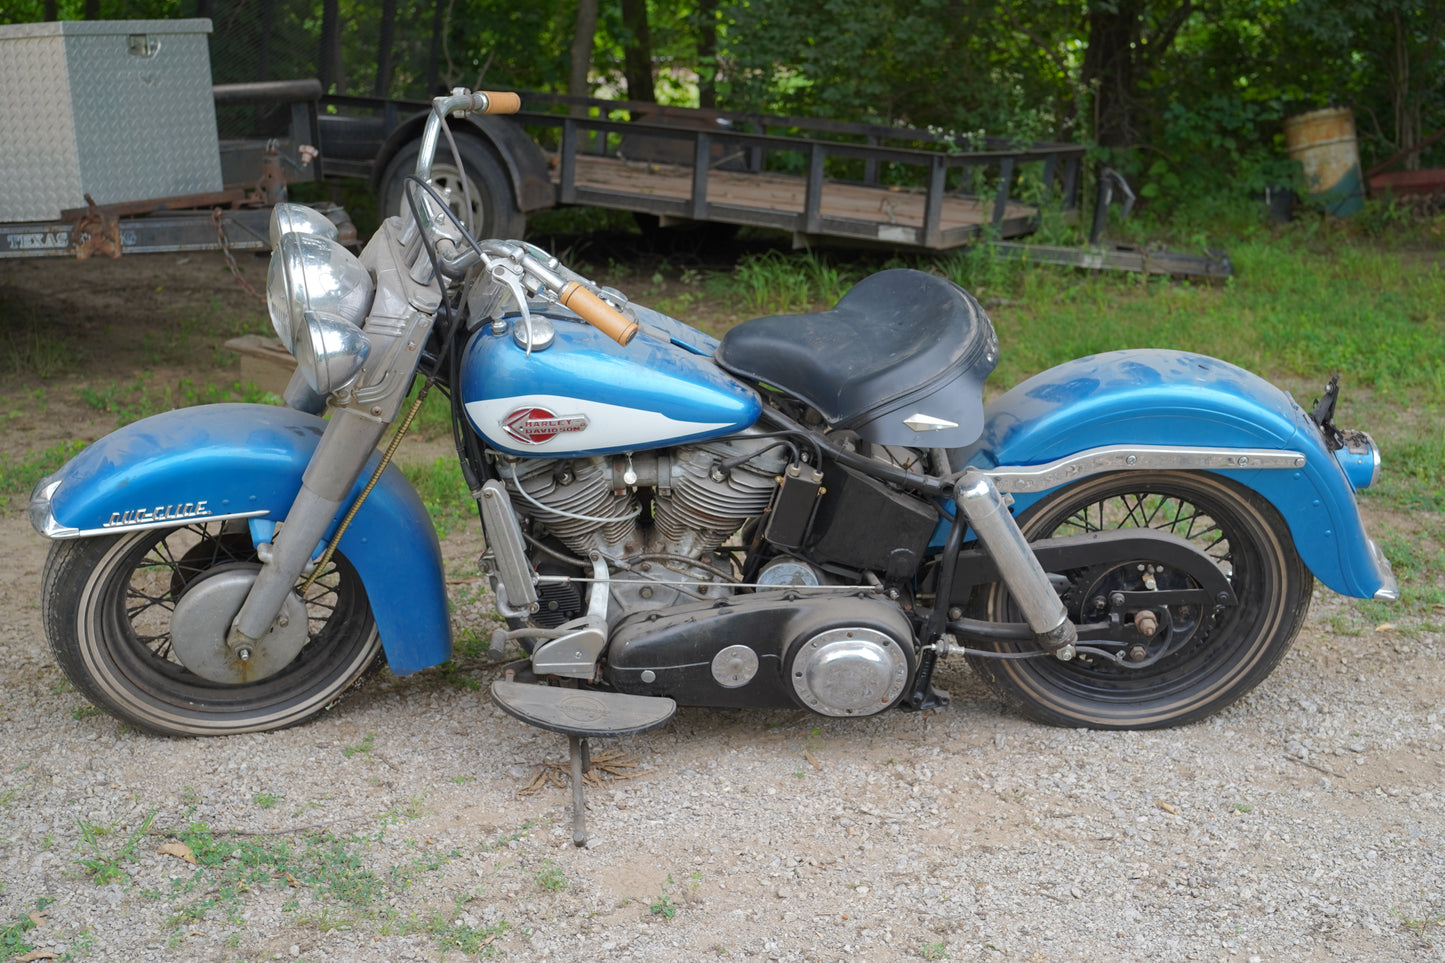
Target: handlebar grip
[[502, 101], [597, 312]]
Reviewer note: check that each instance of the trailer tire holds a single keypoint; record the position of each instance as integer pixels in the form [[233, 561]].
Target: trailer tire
[[494, 207]]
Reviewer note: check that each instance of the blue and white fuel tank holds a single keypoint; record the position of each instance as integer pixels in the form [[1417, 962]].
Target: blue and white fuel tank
[[580, 393]]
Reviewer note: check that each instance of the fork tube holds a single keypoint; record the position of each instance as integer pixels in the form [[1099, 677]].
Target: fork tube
[[340, 455]]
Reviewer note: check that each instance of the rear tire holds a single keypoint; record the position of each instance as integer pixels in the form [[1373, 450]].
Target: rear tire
[[493, 212], [1229, 654], [107, 604]]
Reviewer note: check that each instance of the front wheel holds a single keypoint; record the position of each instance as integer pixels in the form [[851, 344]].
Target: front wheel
[[108, 603], [1227, 651]]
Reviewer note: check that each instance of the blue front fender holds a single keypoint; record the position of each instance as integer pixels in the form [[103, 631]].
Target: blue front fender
[[1157, 397], [246, 461]]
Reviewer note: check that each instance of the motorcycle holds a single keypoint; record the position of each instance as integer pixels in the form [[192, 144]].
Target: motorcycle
[[809, 512]]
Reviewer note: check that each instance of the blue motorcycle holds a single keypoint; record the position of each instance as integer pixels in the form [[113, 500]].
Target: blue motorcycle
[[810, 512]]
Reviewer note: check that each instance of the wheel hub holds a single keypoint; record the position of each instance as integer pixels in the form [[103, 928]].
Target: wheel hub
[[202, 620]]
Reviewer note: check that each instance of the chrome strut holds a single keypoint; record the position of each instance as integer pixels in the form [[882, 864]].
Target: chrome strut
[[979, 499]]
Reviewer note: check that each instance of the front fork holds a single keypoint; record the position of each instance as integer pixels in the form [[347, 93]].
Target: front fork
[[341, 454]]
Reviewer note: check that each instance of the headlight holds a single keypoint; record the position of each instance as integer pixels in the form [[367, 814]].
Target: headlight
[[299, 219], [318, 294]]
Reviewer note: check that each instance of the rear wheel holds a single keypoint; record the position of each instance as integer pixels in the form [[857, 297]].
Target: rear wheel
[[108, 605], [1228, 650]]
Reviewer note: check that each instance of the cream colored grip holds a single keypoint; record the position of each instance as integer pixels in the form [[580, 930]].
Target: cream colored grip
[[597, 312], [502, 101]]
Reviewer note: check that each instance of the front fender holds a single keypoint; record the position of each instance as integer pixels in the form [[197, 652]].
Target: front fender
[[239, 461], [1159, 397]]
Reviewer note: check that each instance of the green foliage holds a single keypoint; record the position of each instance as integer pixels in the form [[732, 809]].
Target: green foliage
[[142, 398], [105, 867], [444, 492], [775, 283], [19, 473], [664, 906], [551, 878]]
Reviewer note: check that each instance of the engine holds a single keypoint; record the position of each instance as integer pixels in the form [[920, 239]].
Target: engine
[[657, 516]]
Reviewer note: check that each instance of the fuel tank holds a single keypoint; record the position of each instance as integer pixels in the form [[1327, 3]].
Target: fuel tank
[[584, 394]]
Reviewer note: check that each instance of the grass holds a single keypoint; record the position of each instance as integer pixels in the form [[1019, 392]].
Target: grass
[[105, 867], [141, 398], [19, 473]]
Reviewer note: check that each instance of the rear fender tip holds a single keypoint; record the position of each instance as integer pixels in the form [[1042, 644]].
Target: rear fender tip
[[1389, 590]]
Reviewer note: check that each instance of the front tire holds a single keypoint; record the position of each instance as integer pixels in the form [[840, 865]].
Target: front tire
[[1230, 652], [107, 604]]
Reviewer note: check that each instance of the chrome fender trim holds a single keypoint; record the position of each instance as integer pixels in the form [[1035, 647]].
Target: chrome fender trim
[[1095, 461]]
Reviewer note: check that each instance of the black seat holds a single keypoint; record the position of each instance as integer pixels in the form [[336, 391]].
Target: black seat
[[897, 338]]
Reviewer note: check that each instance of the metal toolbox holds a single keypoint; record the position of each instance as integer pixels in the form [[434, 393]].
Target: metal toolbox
[[121, 110]]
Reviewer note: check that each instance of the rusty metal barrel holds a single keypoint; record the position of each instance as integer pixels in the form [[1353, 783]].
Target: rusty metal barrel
[[1323, 141]]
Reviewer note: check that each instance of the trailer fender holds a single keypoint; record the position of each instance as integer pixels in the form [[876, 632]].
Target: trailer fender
[[523, 161]]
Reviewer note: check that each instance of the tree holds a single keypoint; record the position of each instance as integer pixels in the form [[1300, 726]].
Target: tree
[[581, 53], [637, 51]]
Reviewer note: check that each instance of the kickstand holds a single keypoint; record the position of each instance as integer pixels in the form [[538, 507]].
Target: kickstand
[[581, 754]]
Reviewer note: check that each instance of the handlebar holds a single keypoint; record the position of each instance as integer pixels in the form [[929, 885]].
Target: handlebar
[[597, 312], [570, 291]]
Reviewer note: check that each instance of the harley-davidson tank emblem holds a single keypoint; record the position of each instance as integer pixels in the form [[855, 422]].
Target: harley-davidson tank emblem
[[537, 425], [160, 513]]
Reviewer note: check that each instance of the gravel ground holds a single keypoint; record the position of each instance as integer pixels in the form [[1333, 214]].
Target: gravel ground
[[1306, 823]]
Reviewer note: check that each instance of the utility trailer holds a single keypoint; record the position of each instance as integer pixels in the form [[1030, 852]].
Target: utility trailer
[[109, 145], [817, 179], [900, 188]]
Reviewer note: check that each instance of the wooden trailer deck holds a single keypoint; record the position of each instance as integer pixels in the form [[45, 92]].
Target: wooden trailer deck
[[688, 164], [891, 215]]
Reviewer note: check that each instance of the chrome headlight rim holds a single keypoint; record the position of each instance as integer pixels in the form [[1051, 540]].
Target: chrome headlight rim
[[318, 294]]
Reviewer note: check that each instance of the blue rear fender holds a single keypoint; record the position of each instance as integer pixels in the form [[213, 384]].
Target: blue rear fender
[[246, 461], [1159, 397]]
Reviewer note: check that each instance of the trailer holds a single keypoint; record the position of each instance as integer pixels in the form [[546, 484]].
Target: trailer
[[817, 179], [109, 144]]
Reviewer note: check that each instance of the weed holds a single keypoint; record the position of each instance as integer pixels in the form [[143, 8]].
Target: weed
[[472, 940], [551, 878], [228, 867], [411, 809], [84, 711], [18, 474], [35, 349], [933, 951], [1418, 924], [108, 868], [367, 743], [265, 800], [405, 873], [12, 937], [664, 906], [141, 399], [443, 491], [1243, 808]]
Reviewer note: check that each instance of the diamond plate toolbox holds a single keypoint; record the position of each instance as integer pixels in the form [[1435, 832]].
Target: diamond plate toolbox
[[121, 110]]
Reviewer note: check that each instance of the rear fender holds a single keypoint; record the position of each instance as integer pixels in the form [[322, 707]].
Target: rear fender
[[238, 461], [1172, 398]]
